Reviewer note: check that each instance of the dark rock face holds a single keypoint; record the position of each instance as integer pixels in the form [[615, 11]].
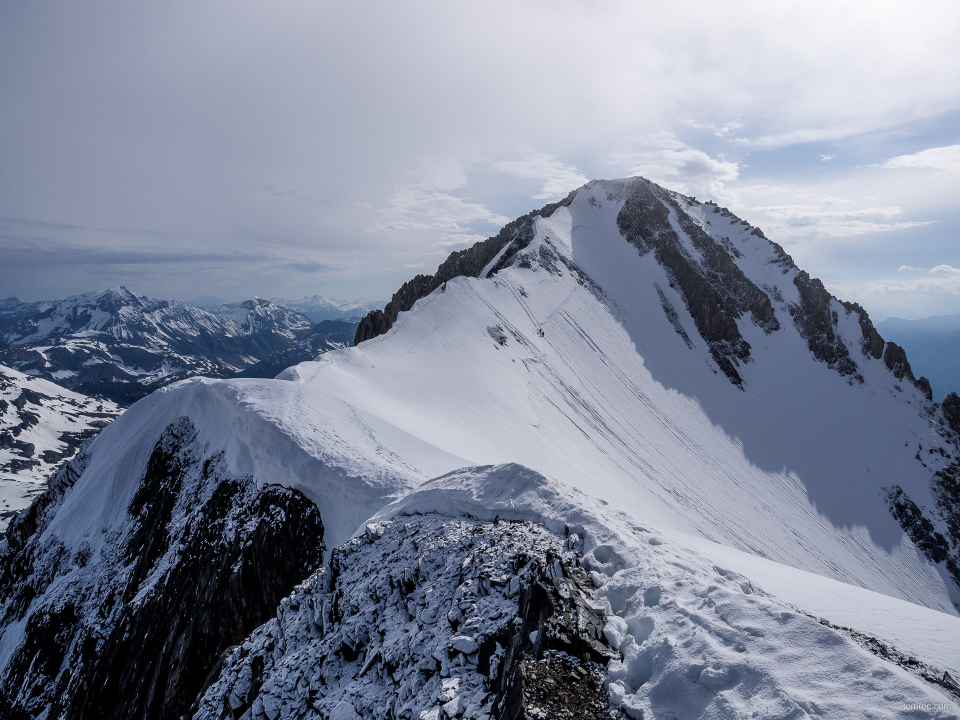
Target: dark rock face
[[919, 524], [716, 292], [815, 321], [919, 528], [872, 343], [896, 361], [463, 263], [557, 686], [951, 411], [560, 669], [202, 561], [946, 492]]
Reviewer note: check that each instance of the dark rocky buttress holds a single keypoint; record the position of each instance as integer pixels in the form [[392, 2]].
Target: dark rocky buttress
[[714, 290], [134, 629]]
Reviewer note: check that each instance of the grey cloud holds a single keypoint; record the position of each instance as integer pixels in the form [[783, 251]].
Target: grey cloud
[[252, 139]]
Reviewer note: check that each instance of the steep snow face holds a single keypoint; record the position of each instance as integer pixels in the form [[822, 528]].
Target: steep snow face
[[41, 426], [621, 396], [103, 341]]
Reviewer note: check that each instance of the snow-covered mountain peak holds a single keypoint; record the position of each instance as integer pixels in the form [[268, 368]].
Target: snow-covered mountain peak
[[656, 394]]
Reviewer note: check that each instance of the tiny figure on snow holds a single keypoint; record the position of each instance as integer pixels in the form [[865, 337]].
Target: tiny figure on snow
[[541, 332], [443, 288]]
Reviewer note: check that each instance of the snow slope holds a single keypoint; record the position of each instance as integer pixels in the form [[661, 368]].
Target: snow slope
[[611, 400], [620, 399]]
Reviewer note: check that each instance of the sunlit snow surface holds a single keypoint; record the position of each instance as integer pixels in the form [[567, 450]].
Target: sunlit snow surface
[[613, 408]]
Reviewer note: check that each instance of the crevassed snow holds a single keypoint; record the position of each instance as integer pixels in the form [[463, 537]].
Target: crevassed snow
[[610, 402]]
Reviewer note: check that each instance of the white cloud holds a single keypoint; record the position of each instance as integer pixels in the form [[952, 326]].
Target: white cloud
[[939, 159], [720, 131], [556, 178], [945, 271], [906, 267], [432, 203], [427, 204], [827, 158], [301, 126], [812, 216], [938, 281], [666, 160]]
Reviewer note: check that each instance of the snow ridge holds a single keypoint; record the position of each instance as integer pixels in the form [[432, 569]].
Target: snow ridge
[[725, 475]]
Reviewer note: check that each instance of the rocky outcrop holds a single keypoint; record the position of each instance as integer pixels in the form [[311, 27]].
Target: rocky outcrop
[[950, 407], [946, 492], [715, 290], [428, 617], [141, 615], [895, 358], [463, 263], [816, 321], [872, 344], [917, 527]]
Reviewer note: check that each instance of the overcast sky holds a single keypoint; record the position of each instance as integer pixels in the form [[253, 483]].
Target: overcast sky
[[230, 149]]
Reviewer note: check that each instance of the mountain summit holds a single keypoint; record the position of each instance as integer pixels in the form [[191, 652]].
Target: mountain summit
[[625, 452]]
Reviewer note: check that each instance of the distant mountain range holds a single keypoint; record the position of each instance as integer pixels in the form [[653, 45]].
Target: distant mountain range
[[325, 336], [122, 345], [319, 308], [933, 344], [315, 307]]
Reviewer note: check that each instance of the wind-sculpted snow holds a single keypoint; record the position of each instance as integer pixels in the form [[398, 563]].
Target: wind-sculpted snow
[[416, 616]]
